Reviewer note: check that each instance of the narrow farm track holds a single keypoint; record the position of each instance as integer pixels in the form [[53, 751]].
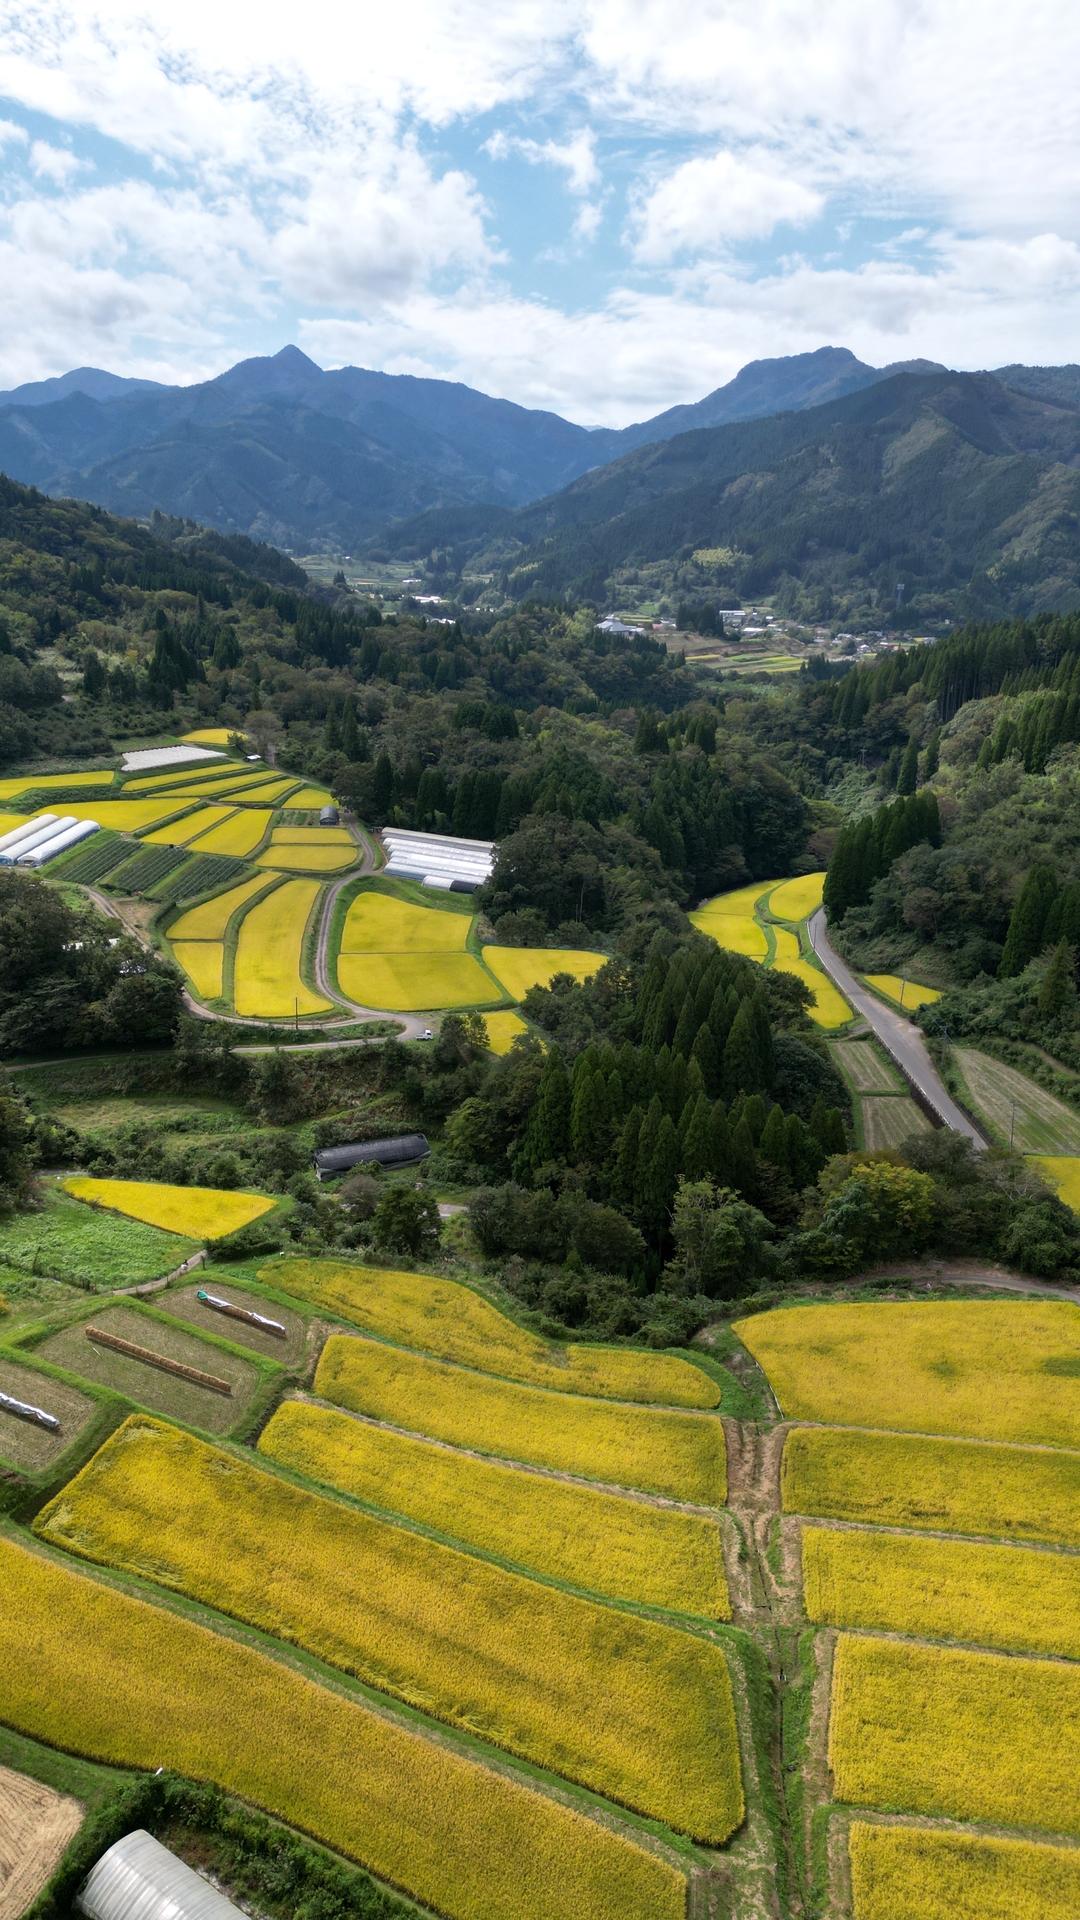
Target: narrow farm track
[[902, 1042]]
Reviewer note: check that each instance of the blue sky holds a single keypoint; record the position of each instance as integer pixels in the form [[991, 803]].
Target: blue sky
[[599, 206]]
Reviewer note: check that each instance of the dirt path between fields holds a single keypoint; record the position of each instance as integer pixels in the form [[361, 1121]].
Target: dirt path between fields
[[36, 1826]]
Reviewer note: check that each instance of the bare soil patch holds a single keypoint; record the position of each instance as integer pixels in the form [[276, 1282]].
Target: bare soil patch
[[158, 1392], [36, 1826], [31, 1447], [186, 1305]]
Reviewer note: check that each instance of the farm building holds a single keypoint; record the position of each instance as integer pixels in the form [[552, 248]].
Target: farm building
[[398, 1152], [139, 1879]]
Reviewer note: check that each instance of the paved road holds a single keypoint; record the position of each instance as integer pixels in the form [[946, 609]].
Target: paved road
[[902, 1042]]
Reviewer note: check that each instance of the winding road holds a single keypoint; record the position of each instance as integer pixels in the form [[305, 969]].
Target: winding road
[[902, 1042]]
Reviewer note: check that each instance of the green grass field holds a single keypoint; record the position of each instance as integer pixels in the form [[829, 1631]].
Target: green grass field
[[72, 1242], [888, 1120], [1042, 1123], [863, 1066]]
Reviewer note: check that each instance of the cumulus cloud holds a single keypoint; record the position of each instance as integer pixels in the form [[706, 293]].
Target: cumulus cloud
[[706, 203], [576, 156], [53, 163]]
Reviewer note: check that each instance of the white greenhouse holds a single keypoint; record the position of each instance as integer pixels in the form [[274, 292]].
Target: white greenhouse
[[139, 1879], [439, 860]]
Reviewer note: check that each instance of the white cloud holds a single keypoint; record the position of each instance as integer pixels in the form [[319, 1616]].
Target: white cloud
[[576, 156], [11, 135], [706, 203], [53, 163]]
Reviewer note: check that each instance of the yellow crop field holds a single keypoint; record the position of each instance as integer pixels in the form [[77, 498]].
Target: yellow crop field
[[204, 962], [465, 1840], [967, 1736], [925, 1873], [239, 835], [204, 785], [271, 792], [604, 1542], [180, 780], [313, 837], [631, 1708], [193, 824], [412, 982], [127, 816], [830, 1008], [984, 1369], [1012, 1597], [503, 1030], [209, 921], [905, 993], [9, 821], [454, 1323], [209, 737], [46, 782], [729, 919], [797, 899], [1063, 1172], [953, 1486], [519, 968], [379, 923], [652, 1449], [203, 1213], [309, 797], [318, 859], [268, 981]]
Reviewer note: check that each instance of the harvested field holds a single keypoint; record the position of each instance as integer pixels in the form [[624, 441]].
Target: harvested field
[[906, 994], [190, 826], [469, 1842], [184, 1304], [635, 1710], [652, 1449], [607, 1544], [952, 1486], [268, 981], [797, 899], [503, 1030], [210, 920], [519, 968], [889, 1121], [414, 982], [239, 835], [966, 1736], [1042, 1125], [203, 961], [980, 1369], [203, 1213], [30, 1447], [162, 1392], [36, 1827], [454, 1323], [1017, 1598], [864, 1067], [379, 923], [924, 1873]]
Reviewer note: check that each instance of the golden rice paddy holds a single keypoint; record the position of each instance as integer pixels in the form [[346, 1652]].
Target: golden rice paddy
[[308, 859], [210, 920], [985, 1369], [651, 1449], [925, 1873], [631, 1708], [312, 837], [503, 1030], [268, 983], [202, 1213], [309, 797], [603, 1542], [46, 782], [210, 736], [192, 825], [797, 899], [905, 993], [452, 1322], [468, 1842], [952, 1486], [830, 1009], [1063, 1172], [239, 835], [272, 792], [414, 982], [519, 968], [380, 923], [127, 816], [730, 920], [204, 963]]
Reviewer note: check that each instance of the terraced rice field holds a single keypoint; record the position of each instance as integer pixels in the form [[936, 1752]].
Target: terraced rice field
[[127, 816], [829, 1009], [271, 793], [454, 1323], [927, 1874], [633, 1709], [652, 1449], [905, 993], [49, 782], [519, 968], [170, 1693], [239, 835], [210, 920], [204, 963], [289, 857], [313, 837], [192, 825], [981, 1369], [1041, 1124], [208, 737], [864, 1067], [194, 780], [951, 1486], [268, 981], [309, 797], [415, 982], [203, 1213], [503, 1030], [1062, 1171], [731, 921], [998, 1596], [889, 1121], [797, 899], [607, 1544], [956, 1734], [381, 923]]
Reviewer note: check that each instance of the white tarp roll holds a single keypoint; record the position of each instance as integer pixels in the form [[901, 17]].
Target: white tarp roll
[[60, 842], [38, 837], [28, 827]]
